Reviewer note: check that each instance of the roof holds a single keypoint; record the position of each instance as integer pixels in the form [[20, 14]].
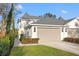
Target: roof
[[46, 19], [27, 16], [50, 21]]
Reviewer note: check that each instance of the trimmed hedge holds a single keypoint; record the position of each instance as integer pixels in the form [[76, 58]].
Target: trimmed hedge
[[72, 40], [29, 40]]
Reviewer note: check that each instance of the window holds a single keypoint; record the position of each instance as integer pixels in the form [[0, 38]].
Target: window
[[76, 24], [34, 29]]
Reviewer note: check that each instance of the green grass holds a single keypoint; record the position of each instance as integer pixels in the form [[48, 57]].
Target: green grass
[[38, 50]]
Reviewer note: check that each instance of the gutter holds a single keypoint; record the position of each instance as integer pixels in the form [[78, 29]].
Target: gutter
[[48, 25]]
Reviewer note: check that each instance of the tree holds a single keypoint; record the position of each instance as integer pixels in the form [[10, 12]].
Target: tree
[[9, 17], [3, 12], [48, 15], [8, 13], [60, 18]]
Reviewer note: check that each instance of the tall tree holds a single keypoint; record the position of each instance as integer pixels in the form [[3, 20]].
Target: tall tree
[[9, 20]]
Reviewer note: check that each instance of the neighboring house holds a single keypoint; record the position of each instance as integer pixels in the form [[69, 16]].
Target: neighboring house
[[48, 28]]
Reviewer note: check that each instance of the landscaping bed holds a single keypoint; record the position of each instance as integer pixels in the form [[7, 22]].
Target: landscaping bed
[[72, 40], [29, 40], [38, 50]]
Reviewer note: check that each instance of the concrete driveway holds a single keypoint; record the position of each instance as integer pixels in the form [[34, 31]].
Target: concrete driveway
[[66, 46]]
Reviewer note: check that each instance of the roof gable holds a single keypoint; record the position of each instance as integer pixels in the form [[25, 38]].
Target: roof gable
[[73, 23]]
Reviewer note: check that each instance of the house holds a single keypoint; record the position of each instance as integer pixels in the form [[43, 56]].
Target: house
[[48, 28], [24, 24]]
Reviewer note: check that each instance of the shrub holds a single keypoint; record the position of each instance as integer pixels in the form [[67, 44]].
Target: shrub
[[72, 40], [0, 50], [29, 40], [4, 46]]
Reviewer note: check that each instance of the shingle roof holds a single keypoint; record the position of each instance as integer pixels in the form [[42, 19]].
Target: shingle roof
[[45, 20], [50, 21]]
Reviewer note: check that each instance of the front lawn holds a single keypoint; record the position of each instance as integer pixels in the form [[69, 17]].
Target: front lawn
[[38, 50]]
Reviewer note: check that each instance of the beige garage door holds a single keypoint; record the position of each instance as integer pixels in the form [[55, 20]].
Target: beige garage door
[[49, 35]]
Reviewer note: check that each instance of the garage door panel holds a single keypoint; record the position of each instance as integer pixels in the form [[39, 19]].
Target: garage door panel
[[48, 35]]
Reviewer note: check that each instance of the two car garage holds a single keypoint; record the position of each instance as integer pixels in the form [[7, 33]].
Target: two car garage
[[49, 34]]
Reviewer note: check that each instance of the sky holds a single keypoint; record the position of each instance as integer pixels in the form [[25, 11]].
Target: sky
[[66, 10]]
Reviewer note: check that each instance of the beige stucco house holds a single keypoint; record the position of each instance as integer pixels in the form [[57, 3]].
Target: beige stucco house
[[47, 28]]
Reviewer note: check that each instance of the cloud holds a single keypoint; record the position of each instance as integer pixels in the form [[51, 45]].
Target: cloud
[[64, 11], [18, 7]]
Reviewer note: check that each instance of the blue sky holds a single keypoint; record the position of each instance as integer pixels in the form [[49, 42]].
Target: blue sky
[[66, 10]]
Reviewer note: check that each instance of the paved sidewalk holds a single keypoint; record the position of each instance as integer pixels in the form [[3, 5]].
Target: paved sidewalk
[[70, 47]]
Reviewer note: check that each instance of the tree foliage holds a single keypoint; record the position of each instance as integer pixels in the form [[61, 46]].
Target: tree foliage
[[9, 20]]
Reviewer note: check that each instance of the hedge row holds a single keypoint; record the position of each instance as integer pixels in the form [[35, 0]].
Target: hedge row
[[72, 40], [29, 40]]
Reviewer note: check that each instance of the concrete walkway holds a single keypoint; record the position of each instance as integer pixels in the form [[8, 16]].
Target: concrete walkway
[[66, 46], [16, 42]]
